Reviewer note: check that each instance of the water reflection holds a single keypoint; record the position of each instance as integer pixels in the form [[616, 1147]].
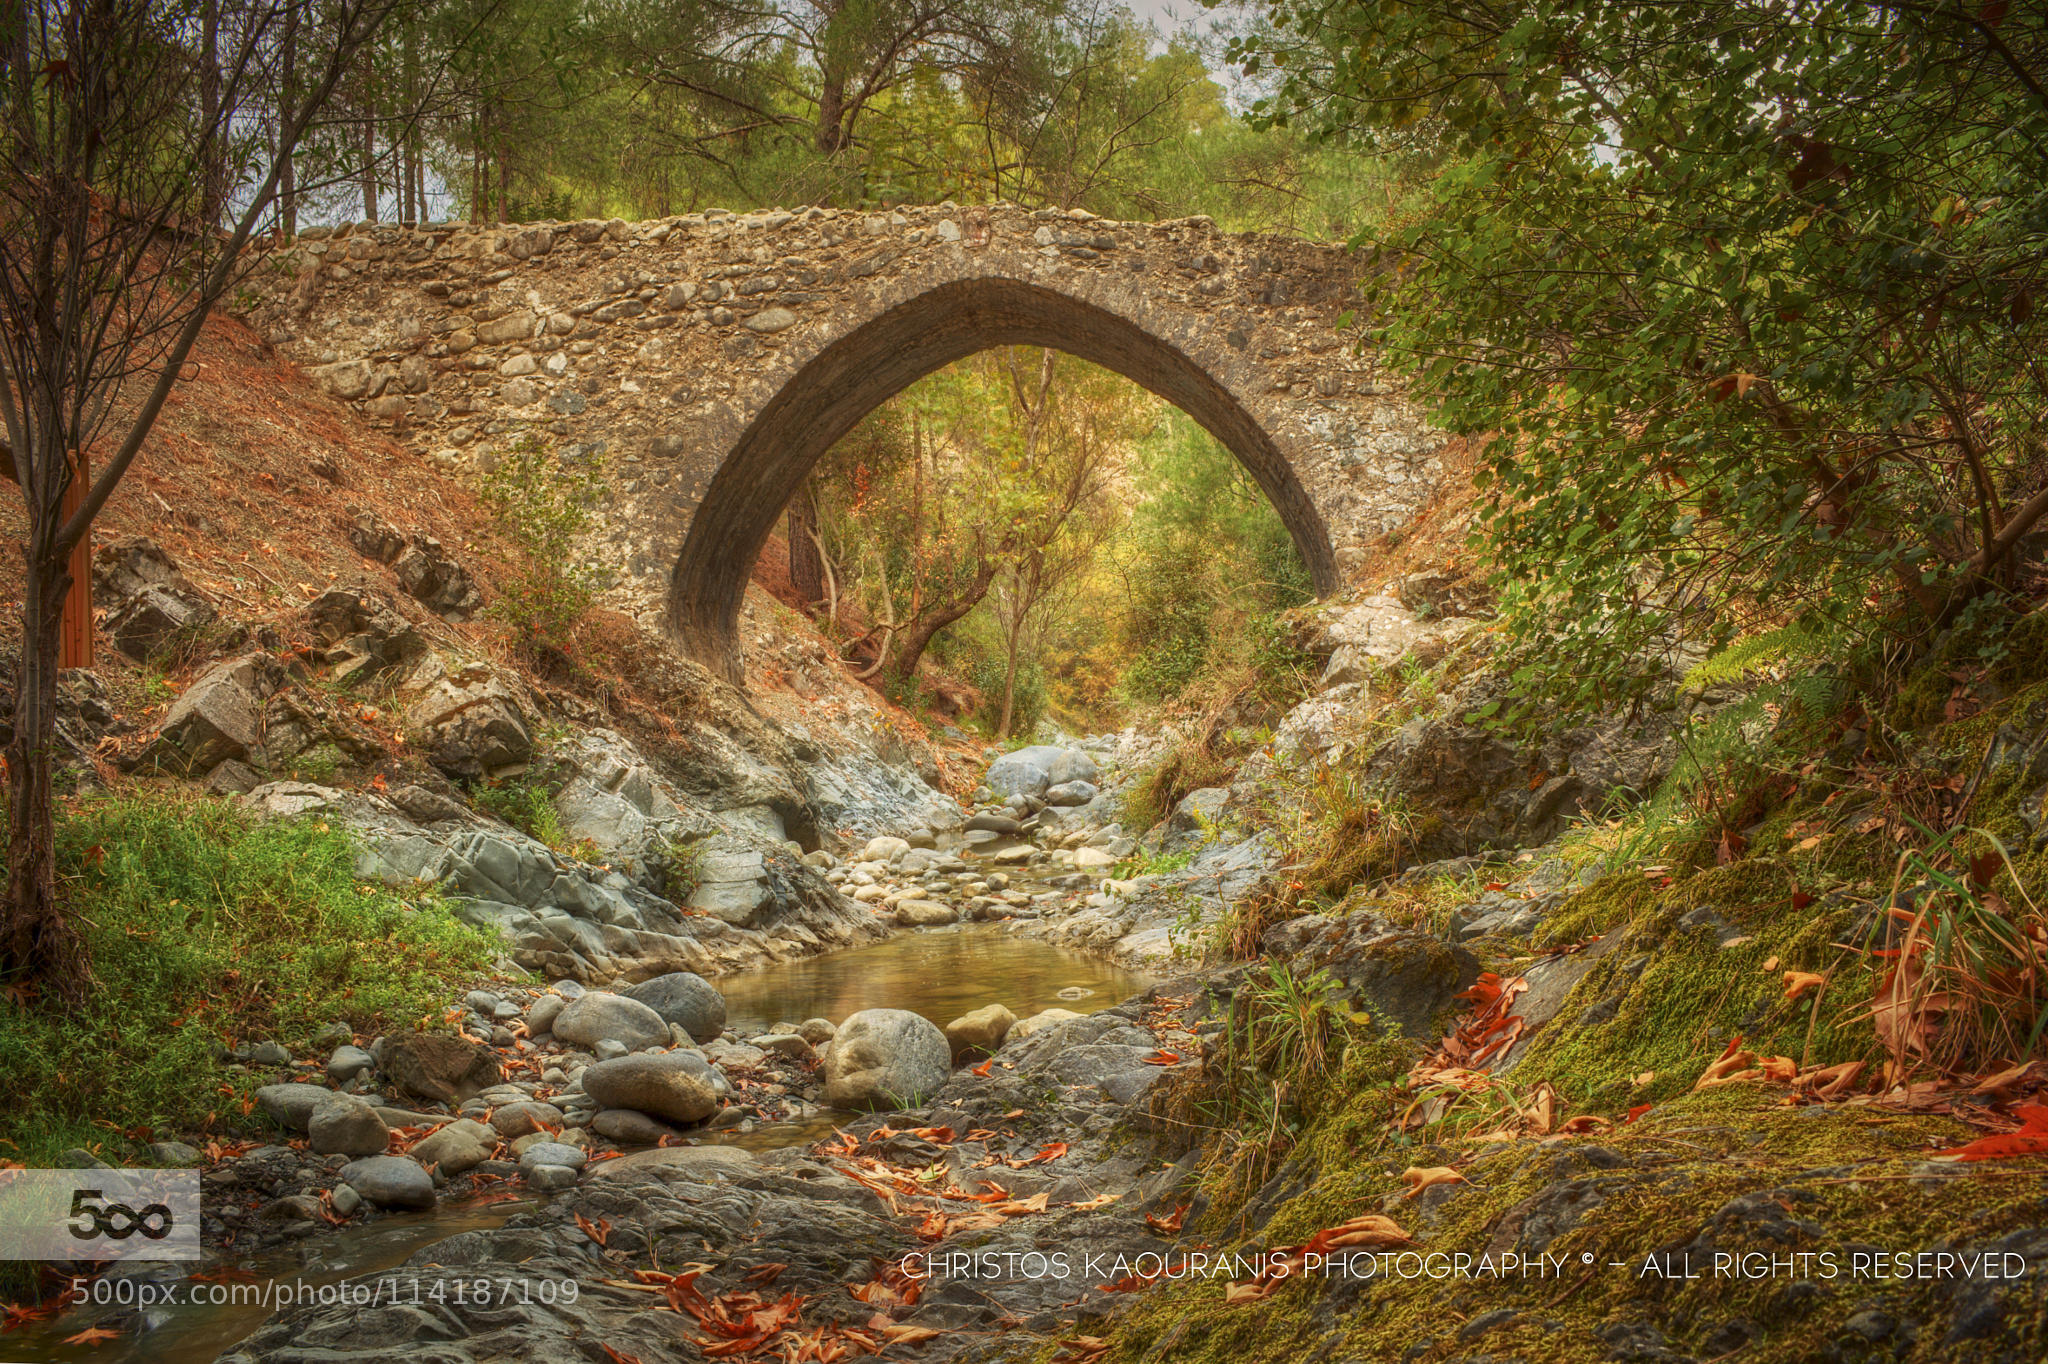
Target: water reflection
[[940, 973]]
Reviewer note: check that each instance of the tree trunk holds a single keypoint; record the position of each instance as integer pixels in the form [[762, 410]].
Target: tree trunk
[[918, 634], [1010, 677], [214, 150], [806, 565], [412, 212], [369, 152], [37, 939], [287, 177], [831, 109]]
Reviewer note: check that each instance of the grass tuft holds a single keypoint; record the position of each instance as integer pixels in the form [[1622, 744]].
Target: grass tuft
[[207, 928]]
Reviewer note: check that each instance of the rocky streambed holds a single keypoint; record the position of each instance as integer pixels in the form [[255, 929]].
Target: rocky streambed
[[532, 1105], [569, 1144]]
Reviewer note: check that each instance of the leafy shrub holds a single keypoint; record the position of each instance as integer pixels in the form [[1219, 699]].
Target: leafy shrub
[[1188, 766], [527, 804], [545, 503], [682, 867]]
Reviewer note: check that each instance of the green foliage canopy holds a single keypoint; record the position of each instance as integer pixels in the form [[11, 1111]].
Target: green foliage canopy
[[1741, 296]]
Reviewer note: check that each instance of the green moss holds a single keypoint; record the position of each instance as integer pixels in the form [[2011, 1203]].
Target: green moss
[[1610, 903], [1832, 1179], [1689, 964]]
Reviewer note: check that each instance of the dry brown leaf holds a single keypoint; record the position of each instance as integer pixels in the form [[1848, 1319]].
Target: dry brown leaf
[[1797, 983], [1418, 1178], [2004, 1079]]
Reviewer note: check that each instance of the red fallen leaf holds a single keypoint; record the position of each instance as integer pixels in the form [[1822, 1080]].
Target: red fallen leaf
[[983, 1069], [618, 1356], [92, 1335], [1163, 1057], [903, 1333], [1052, 1150], [1496, 885], [1168, 1225], [2030, 1140], [595, 1231], [1638, 1112], [942, 1136], [1801, 899], [764, 1275]]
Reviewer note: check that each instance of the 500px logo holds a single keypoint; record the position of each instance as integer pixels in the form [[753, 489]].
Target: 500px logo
[[99, 1214], [118, 1220]]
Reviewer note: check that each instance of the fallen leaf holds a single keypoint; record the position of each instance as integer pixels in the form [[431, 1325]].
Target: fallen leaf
[[983, 1069], [1418, 1178], [1371, 1229], [1733, 1065], [1168, 1225], [92, 1335], [2004, 1079], [1163, 1058], [2030, 1140], [1797, 983], [1829, 1082], [1017, 1207], [903, 1333]]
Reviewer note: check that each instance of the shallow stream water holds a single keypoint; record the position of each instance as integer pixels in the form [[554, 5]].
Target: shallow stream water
[[939, 973]]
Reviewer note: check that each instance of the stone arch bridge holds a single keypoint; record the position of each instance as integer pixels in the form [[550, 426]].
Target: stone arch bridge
[[712, 358]]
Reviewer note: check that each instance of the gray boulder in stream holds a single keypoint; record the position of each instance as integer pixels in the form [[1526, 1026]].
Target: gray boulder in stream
[[886, 1058], [1029, 771], [672, 1086], [599, 1017], [391, 1182], [684, 998]]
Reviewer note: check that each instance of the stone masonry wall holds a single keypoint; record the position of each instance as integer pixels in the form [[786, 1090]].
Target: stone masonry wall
[[710, 359]]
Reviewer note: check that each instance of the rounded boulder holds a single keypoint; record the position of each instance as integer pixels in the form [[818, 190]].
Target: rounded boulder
[[685, 999], [671, 1087], [600, 1017], [344, 1125], [391, 1182], [885, 1058]]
